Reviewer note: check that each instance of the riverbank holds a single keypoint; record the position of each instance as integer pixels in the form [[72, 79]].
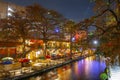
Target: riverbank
[[41, 71]]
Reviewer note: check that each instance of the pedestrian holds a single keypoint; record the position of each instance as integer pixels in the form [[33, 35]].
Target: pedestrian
[[104, 75]]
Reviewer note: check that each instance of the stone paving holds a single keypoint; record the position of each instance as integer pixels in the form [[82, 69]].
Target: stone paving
[[115, 73]]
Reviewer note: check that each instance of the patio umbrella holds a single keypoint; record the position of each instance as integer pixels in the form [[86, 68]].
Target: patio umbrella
[[7, 58], [48, 57], [23, 60]]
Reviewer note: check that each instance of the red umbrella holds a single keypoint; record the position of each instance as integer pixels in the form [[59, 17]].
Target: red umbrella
[[22, 60], [48, 56]]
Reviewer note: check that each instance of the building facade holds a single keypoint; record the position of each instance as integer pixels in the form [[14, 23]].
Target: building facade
[[6, 9]]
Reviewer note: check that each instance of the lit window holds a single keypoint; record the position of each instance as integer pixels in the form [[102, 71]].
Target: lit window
[[9, 14], [10, 9]]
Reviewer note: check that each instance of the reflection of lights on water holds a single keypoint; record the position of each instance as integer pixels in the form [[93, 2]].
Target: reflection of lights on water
[[90, 58], [64, 75], [86, 64], [82, 61], [86, 59], [77, 68]]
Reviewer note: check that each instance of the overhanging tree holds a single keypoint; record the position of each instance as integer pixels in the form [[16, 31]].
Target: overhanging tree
[[45, 21], [70, 29], [16, 28], [107, 22]]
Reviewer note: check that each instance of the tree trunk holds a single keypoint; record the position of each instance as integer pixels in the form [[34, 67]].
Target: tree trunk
[[23, 49], [45, 49]]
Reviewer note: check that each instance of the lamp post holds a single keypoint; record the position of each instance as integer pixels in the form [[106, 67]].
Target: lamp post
[[95, 42]]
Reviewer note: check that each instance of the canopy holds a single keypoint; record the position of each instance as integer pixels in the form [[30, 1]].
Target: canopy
[[7, 58], [9, 44], [48, 56], [23, 60]]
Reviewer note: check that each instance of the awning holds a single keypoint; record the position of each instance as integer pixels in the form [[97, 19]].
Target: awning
[[9, 44]]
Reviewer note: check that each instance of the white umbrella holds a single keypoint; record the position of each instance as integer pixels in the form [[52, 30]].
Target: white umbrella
[[7, 58]]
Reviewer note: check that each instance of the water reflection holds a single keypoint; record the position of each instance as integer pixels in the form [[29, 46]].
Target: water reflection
[[87, 69]]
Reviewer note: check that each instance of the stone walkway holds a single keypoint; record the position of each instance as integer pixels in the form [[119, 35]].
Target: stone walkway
[[115, 73]]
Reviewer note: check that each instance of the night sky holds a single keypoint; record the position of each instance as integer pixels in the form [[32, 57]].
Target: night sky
[[71, 9]]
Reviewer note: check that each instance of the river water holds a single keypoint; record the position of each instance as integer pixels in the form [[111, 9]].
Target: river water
[[86, 69]]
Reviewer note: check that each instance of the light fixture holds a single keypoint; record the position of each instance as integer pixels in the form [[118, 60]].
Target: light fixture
[[73, 39], [95, 42]]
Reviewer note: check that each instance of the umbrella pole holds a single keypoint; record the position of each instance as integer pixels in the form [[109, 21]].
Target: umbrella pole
[[8, 52]]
